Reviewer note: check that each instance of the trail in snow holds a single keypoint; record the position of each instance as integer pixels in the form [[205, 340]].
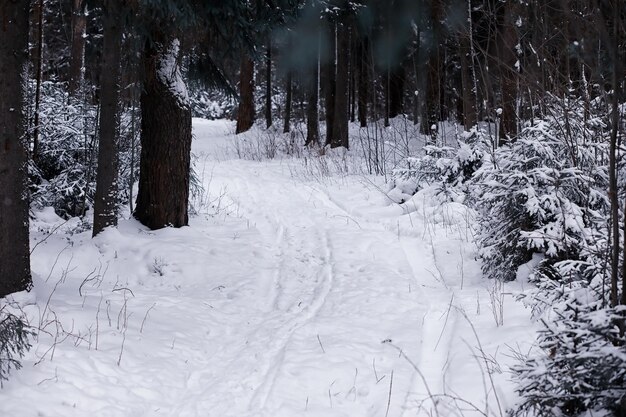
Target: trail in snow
[[286, 297]]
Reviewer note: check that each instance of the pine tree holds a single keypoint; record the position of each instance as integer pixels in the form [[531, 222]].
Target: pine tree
[[14, 246]]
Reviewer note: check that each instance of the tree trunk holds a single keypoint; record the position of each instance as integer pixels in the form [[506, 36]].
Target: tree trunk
[[469, 99], [288, 100], [312, 112], [508, 40], [363, 66], [352, 71], [340, 122], [14, 246], [77, 59], [39, 12], [396, 91], [329, 83], [268, 85], [165, 141], [105, 201], [431, 109], [245, 114]]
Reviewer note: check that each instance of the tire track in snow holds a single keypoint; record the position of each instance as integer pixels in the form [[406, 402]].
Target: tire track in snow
[[284, 334]]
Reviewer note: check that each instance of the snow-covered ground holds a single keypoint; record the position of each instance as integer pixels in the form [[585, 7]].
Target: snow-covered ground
[[290, 294]]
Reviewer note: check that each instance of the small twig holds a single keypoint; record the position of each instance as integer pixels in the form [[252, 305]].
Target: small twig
[[145, 317], [49, 234], [389, 397], [320, 342]]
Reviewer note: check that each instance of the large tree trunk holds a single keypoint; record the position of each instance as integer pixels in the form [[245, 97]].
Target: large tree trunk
[[329, 83], [105, 201], [165, 141], [14, 246], [363, 67], [340, 122], [245, 114], [77, 59]]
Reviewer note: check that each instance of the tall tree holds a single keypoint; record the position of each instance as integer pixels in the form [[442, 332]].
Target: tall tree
[[77, 59], [105, 201], [328, 77], [245, 113], [268, 84], [363, 76], [432, 104], [165, 137], [340, 120], [508, 74], [14, 246], [288, 101]]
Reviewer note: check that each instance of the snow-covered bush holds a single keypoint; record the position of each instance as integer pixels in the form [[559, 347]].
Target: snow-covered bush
[[63, 173], [449, 168], [545, 193], [580, 363], [211, 104], [14, 333]]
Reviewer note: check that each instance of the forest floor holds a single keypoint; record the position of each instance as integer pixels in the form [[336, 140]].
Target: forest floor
[[295, 291]]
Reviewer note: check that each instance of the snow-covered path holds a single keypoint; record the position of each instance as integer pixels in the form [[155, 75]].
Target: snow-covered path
[[340, 287], [287, 296]]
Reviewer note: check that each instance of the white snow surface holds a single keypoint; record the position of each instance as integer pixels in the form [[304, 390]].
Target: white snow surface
[[284, 297]]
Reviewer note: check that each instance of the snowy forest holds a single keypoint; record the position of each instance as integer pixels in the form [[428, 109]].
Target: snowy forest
[[282, 208]]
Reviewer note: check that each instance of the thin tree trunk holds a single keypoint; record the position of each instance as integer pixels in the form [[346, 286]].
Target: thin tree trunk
[[363, 65], [77, 59], [352, 71], [396, 91], [312, 111], [268, 85], [165, 142], [14, 246], [508, 74], [469, 101], [245, 114], [329, 84], [340, 122], [105, 201], [288, 101], [431, 108], [38, 75]]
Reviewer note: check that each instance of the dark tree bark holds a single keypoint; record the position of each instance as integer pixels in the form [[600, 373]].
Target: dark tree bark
[[363, 69], [288, 101], [329, 83], [77, 59], [165, 142], [39, 12], [105, 201], [245, 114], [312, 112], [396, 91], [14, 246], [508, 39], [268, 85], [352, 70], [340, 122], [468, 94], [431, 109]]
